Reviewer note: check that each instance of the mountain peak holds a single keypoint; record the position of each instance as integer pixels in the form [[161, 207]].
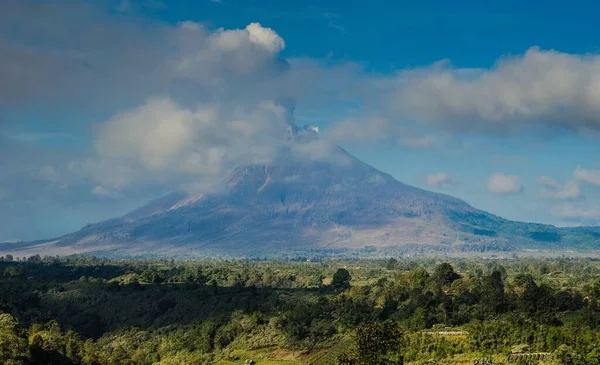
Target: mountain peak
[[304, 133]]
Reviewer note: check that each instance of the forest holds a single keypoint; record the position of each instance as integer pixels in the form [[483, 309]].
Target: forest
[[83, 310]]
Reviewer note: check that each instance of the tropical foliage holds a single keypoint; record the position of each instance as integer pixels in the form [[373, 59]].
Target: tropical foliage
[[84, 310]]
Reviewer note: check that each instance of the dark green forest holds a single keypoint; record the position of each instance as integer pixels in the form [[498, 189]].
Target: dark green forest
[[86, 310]]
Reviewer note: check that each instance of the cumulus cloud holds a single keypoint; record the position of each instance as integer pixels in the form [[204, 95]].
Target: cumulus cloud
[[539, 90], [121, 63], [112, 64], [587, 176], [499, 183], [153, 134], [164, 139], [212, 99], [265, 37], [540, 87], [554, 190], [187, 102], [440, 180]]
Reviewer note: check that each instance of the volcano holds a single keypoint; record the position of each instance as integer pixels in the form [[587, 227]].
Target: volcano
[[299, 205]]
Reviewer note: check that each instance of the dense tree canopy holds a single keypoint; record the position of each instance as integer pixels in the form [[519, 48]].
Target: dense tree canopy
[[86, 311]]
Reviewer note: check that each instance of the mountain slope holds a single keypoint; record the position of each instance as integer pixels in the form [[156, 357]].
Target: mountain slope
[[298, 205]]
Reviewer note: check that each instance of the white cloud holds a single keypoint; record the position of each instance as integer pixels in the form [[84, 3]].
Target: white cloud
[[191, 62], [228, 63], [164, 141], [153, 134], [588, 176], [111, 63], [265, 37], [500, 183], [540, 87], [190, 102], [554, 190], [440, 180], [233, 108], [320, 150]]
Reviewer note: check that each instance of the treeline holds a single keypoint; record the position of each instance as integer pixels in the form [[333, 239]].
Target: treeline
[[85, 310]]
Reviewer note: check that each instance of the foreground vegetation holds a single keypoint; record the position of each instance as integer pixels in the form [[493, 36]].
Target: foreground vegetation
[[84, 310]]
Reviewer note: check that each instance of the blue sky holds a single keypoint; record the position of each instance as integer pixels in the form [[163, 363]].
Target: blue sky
[[392, 35], [497, 103]]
